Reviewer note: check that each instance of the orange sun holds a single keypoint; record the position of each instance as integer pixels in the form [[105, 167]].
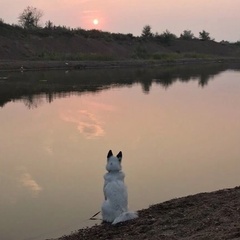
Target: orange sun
[[95, 21]]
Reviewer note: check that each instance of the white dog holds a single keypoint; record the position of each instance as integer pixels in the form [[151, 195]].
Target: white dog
[[115, 206]]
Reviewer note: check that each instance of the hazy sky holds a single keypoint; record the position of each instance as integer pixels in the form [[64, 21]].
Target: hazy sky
[[220, 18]]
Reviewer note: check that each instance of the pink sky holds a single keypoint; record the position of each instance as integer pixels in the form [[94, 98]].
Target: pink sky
[[218, 17]]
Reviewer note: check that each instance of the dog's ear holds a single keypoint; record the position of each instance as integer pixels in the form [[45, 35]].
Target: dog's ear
[[119, 156], [109, 154]]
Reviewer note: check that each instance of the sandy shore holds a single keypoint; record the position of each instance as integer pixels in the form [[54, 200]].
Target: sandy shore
[[24, 65], [214, 215]]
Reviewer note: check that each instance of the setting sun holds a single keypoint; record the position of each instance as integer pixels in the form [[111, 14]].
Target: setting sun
[[95, 21]]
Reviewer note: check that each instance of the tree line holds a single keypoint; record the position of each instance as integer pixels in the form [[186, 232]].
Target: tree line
[[29, 19], [167, 35]]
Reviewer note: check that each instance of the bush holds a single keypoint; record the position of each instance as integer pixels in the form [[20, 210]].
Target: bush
[[204, 36], [237, 43], [187, 35], [166, 37], [122, 37]]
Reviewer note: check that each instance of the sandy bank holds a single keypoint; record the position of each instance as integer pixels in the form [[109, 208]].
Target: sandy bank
[[214, 215]]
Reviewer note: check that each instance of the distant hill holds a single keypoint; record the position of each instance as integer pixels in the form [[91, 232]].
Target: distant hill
[[61, 43]]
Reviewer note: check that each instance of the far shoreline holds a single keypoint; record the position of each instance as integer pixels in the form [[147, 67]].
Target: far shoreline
[[41, 65]]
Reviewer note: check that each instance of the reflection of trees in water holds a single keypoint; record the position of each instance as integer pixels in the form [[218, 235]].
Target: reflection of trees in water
[[33, 87], [146, 87], [32, 102], [204, 79]]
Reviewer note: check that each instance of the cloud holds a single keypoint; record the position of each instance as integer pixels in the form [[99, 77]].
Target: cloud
[[90, 130], [48, 150], [27, 181], [87, 123]]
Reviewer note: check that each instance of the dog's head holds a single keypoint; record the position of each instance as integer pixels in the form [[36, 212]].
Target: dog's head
[[114, 163]]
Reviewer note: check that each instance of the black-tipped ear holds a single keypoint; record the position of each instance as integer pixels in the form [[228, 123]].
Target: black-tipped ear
[[119, 156], [109, 154]]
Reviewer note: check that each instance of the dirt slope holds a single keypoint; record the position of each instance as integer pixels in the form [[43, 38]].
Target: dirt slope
[[17, 44], [204, 216]]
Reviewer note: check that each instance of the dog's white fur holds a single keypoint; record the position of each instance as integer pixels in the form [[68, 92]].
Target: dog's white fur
[[115, 206]]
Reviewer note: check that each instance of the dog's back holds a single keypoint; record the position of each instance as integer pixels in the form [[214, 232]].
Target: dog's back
[[115, 190]]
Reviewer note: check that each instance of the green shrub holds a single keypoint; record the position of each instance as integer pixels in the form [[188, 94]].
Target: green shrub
[[166, 37], [204, 36], [187, 35]]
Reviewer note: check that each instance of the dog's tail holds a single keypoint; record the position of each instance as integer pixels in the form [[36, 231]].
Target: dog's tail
[[125, 216]]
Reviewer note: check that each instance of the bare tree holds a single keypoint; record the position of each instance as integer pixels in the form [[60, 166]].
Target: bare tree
[[49, 25], [30, 17]]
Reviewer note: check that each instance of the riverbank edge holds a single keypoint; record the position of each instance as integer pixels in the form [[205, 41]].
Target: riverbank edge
[[206, 215], [36, 65]]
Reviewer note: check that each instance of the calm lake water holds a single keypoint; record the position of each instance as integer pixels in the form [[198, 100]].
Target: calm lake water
[[178, 129]]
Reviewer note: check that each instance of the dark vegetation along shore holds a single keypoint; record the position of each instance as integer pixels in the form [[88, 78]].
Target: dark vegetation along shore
[[54, 47], [204, 216]]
